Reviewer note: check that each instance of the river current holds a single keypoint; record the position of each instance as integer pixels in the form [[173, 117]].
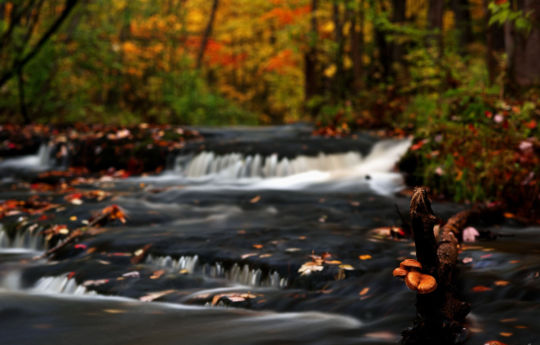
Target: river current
[[226, 232]]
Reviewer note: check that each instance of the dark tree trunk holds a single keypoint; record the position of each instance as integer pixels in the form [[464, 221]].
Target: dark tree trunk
[[398, 17], [339, 78], [207, 33], [523, 50], [440, 314], [22, 101], [463, 20], [435, 22], [357, 47], [494, 45], [311, 80]]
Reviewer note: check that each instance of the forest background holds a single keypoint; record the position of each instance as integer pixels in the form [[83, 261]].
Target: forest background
[[462, 76]]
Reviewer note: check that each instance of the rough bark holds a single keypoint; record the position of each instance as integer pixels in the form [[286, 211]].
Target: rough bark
[[522, 50], [207, 33], [440, 313]]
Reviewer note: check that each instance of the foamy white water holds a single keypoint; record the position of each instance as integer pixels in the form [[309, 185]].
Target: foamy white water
[[239, 274], [334, 172], [24, 241], [39, 161]]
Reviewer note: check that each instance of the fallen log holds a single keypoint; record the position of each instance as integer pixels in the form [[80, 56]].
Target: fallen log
[[440, 314]]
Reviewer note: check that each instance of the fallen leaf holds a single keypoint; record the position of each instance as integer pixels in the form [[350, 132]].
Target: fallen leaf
[[309, 267], [364, 291], [481, 288], [96, 282], [155, 295], [346, 267], [506, 334], [467, 260], [292, 250], [365, 257], [255, 199], [245, 256], [502, 283], [258, 246], [132, 274], [114, 311], [157, 274]]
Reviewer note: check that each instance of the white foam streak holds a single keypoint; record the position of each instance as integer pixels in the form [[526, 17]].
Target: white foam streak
[[39, 161], [240, 274], [334, 172], [60, 285], [23, 241]]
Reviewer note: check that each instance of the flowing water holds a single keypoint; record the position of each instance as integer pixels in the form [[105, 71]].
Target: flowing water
[[227, 228]]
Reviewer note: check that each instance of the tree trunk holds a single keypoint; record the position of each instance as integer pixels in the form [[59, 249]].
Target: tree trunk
[[440, 313], [435, 22], [207, 33], [463, 20], [398, 17], [494, 44], [311, 81], [357, 47], [339, 78], [22, 101], [523, 50]]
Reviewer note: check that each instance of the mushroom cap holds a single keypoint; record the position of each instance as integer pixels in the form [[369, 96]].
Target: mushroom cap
[[412, 280], [400, 272], [427, 284], [423, 283], [409, 264]]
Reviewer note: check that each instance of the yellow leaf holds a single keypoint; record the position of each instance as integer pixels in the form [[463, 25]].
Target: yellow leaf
[[330, 71], [364, 257], [346, 267]]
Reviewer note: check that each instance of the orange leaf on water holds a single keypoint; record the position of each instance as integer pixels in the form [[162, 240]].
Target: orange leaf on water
[[481, 288]]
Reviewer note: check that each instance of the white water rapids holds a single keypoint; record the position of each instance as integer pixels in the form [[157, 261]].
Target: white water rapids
[[341, 171]]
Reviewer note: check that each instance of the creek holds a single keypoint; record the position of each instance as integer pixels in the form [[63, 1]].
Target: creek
[[227, 227]]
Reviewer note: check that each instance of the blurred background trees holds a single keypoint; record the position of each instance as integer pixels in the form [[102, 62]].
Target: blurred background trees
[[353, 62]]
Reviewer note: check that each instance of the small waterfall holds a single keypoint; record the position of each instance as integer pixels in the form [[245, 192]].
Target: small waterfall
[[42, 160], [60, 285], [236, 165], [241, 274], [187, 263], [25, 239]]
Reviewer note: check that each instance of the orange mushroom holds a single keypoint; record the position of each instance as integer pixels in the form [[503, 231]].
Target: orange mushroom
[[400, 272], [422, 283], [410, 264]]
